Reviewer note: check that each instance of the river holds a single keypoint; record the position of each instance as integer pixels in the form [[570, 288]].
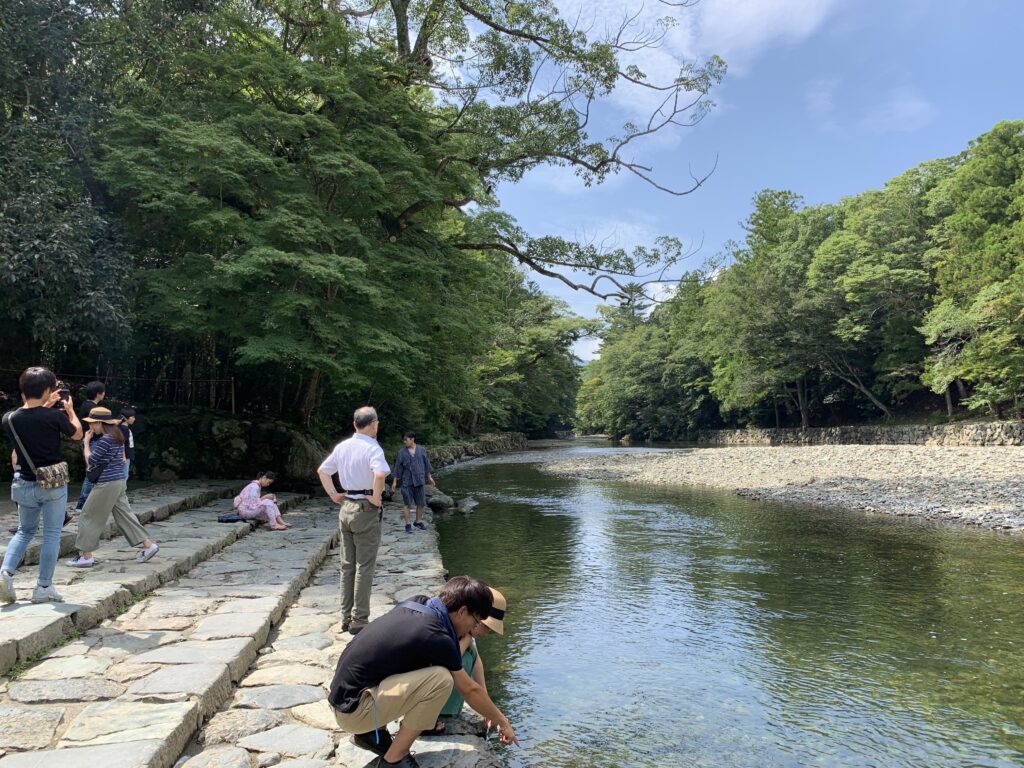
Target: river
[[688, 627]]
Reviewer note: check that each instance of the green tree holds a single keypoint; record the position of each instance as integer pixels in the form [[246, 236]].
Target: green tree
[[976, 329]]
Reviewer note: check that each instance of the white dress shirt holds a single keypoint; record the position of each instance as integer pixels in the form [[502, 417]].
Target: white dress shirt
[[356, 460]]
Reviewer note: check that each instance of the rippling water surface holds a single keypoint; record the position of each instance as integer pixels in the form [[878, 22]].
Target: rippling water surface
[[688, 627]]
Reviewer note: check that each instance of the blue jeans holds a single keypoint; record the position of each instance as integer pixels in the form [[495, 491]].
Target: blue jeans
[[34, 504], [87, 486], [127, 468]]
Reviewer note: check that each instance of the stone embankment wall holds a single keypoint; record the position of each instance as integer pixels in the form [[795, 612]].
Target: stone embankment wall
[[505, 442], [970, 434], [172, 444]]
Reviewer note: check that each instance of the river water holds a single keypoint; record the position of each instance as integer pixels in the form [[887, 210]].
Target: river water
[[689, 627]]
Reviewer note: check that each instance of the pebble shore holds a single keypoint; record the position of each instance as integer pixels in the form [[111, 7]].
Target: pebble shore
[[981, 486]]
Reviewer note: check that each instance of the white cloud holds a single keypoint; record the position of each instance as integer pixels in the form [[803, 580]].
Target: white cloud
[[587, 349], [741, 30], [902, 111], [737, 30]]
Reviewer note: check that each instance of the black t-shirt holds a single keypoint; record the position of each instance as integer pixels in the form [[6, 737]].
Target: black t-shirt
[[40, 430], [402, 640], [86, 407]]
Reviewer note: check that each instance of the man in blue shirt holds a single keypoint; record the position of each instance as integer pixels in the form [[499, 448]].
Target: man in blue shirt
[[413, 470]]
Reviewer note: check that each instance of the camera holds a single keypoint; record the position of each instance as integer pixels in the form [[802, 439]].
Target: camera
[[64, 395]]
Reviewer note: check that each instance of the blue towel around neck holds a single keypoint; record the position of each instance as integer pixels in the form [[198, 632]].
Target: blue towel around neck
[[438, 607]]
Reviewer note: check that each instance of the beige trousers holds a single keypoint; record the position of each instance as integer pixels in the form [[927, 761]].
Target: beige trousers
[[417, 695], [104, 499], [360, 539]]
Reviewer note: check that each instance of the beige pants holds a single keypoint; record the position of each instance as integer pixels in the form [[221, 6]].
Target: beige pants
[[417, 695], [104, 499], [360, 540]]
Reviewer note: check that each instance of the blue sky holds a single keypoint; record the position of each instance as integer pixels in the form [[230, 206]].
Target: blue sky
[[822, 97]]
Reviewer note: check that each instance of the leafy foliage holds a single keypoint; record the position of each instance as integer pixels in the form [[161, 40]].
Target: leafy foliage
[[836, 312]]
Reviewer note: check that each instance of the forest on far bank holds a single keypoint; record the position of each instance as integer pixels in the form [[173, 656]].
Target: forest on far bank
[[288, 209], [903, 303]]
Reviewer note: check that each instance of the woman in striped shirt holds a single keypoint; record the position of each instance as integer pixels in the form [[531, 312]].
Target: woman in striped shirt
[[106, 450]]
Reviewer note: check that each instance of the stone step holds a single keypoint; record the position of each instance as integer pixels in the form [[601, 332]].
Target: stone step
[[135, 690], [280, 715], [94, 594], [150, 503]]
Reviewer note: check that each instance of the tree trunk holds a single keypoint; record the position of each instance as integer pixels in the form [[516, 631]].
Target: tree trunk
[[801, 399], [961, 388], [778, 419], [949, 401], [311, 398]]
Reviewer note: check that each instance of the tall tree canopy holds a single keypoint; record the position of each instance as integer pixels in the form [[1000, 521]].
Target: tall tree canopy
[[293, 203]]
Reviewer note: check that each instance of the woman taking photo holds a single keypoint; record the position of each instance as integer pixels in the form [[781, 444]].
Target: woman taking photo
[[40, 486], [104, 456]]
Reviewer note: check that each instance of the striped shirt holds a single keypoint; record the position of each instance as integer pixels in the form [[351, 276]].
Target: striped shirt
[[106, 451]]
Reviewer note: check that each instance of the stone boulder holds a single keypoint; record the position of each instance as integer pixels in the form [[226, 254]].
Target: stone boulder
[[437, 500]]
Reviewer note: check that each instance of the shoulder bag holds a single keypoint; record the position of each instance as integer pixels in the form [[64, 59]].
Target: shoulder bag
[[53, 476], [93, 474]]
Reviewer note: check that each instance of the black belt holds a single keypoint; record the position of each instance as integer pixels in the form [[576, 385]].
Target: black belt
[[363, 492]]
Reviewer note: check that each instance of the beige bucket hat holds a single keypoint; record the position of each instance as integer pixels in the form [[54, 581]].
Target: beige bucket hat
[[495, 619]]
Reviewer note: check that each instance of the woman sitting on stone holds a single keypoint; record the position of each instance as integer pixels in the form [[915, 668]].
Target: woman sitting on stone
[[104, 455], [251, 505]]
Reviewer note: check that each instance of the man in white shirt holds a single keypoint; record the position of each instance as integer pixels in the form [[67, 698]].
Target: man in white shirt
[[362, 468]]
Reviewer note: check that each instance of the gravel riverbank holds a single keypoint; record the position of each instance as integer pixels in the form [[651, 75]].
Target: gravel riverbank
[[973, 486]]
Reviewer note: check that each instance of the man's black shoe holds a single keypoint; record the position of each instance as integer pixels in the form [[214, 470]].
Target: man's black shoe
[[368, 741], [406, 762]]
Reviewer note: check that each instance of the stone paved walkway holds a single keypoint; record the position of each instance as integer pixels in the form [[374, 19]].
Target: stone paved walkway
[[154, 502], [280, 716], [134, 691], [91, 595], [211, 647]]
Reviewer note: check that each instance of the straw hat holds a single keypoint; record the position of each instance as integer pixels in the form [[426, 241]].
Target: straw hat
[[101, 414], [494, 620]]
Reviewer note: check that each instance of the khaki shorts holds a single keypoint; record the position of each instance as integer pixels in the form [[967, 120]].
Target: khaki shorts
[[417, 695]]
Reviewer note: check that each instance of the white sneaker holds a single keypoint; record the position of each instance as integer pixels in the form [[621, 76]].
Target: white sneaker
[[81, 562], [7, 588], [147, 553], [46, 595]]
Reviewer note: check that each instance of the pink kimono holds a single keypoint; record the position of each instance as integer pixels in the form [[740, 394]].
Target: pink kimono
[[250, 507]]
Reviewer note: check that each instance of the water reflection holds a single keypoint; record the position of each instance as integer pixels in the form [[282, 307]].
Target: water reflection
[[653, 627]]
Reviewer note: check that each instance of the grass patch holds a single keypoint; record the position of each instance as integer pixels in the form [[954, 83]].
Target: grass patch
[[22, 666]]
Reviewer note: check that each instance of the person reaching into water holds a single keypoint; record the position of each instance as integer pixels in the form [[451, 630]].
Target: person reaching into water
[[405, 664], [472, 663]]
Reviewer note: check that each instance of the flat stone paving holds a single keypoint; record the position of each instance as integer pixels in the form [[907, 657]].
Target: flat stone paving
[[149, 503], [186, 538], [279, 714], [134, 691]]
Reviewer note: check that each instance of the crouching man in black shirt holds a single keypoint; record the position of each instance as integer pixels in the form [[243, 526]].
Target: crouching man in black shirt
[[405, 664]]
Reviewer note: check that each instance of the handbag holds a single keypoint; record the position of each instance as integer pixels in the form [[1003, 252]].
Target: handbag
[[53, 476], [93, 474]]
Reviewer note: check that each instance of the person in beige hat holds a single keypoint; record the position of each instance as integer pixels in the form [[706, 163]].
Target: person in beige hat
[[105, 460], [404, 665], [471, 661]]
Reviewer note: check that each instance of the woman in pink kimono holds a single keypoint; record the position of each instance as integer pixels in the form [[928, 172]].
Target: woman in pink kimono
[[251, 505]]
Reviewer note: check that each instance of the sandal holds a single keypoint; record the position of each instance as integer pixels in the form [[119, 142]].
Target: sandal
[[440, 728]]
